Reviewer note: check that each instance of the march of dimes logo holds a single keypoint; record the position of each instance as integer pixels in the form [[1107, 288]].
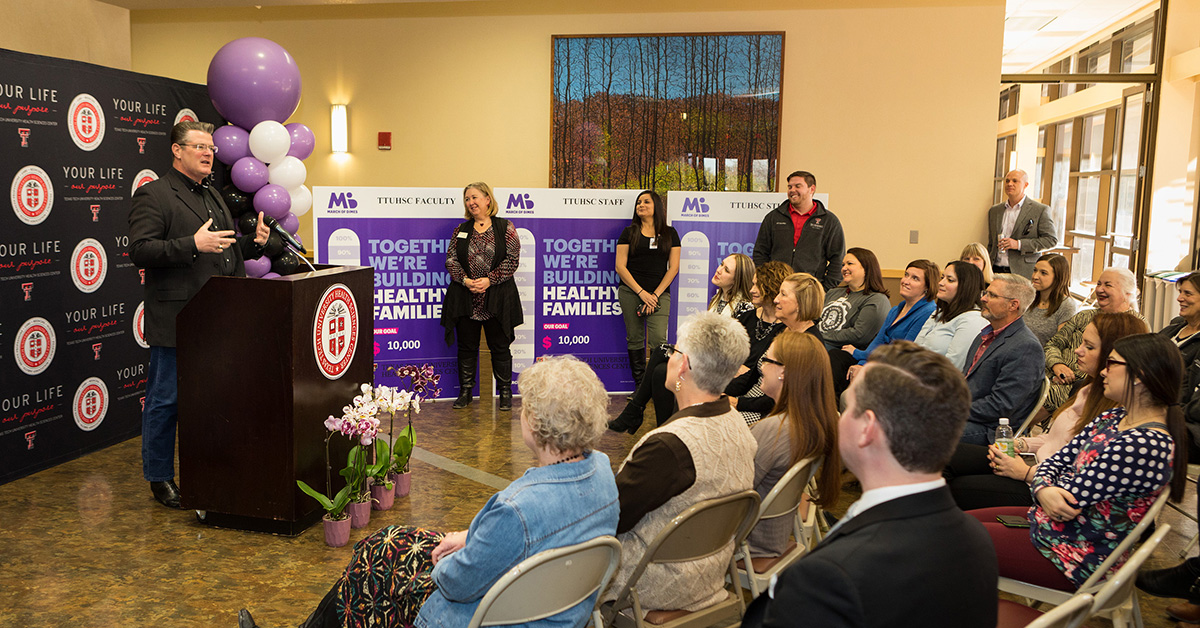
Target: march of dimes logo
[[90, 404], [89, 265], [34, 346], [694, 206], [335, 331], [32, 195], [85, 122]]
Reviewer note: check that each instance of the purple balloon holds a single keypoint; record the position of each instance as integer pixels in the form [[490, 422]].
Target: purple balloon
[[257, 267], [303, 140], [273, 200], [253, 79], [290, 223], [233, 143], [249, 174], [271, 275]]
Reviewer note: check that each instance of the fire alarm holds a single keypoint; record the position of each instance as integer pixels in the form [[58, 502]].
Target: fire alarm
[[385, 140]]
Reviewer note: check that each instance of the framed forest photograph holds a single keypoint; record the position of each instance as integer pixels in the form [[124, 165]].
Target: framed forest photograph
[[666, 112]]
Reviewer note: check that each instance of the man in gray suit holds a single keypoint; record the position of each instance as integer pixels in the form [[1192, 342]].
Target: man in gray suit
[[1019, 229]]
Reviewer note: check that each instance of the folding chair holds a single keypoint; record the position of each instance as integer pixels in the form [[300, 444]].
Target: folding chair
[[1070, 614], [1028, 422], [1093, 584], [783, 500], [703, 530], [549, 583]]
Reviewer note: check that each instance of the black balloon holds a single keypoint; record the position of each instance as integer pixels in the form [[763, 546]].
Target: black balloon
[[238, 201], [248, 223], [273, 246], [285, 263]]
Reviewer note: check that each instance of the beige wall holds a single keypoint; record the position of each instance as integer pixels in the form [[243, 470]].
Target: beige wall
[[892, 108], [83, 30]]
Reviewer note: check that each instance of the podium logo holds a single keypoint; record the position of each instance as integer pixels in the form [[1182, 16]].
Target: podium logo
[[143, 178], [344, 199], [32, 195], [85, 122], [34, 346], [90, 404], [519, 200], [695, 205], [89, 265], [139, 325], [335, 331]]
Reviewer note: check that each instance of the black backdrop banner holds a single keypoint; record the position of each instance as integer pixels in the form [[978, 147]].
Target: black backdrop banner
[[76, 140]]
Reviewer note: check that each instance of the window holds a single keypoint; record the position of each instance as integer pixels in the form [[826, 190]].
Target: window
[[1005, 162], [1010, 101]]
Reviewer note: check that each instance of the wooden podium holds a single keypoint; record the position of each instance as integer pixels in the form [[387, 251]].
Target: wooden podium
[[255, 388]]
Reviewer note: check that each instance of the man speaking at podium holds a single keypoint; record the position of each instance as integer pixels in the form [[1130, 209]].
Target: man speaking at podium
[[181, 232]]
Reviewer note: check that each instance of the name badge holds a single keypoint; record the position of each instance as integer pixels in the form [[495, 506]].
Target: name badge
[[462, 235], [653, 243]]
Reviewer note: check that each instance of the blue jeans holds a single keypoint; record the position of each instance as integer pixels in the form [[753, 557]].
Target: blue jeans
[[978, 434], [160, 416]]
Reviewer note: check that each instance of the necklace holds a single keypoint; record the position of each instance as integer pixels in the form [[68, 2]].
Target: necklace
[[762, 329], [567, 459]]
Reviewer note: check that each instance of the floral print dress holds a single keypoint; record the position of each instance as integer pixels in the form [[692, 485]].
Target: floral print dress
[[1115, 475]]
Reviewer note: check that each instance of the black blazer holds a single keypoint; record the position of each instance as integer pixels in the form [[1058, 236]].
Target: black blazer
[[913, 561], [166, 215]]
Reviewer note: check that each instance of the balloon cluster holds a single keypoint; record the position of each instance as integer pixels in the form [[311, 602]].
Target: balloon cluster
[[255, 84]]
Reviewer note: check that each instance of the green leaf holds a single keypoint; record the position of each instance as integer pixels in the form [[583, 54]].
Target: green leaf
[[320, 497]]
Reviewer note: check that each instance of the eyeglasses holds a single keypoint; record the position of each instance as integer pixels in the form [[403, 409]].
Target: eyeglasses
[[770, 361], [992, 295], [670, 350], [1109, 363], [203, 147]]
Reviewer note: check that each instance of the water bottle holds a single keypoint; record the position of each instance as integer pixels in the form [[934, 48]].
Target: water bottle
[[1004, 439]]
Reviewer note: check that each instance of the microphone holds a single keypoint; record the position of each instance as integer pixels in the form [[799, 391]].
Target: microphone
[[287, 237]]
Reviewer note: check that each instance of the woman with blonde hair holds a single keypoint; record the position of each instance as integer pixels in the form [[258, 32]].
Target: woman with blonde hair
[[977, 254], [733, 278], [803, 424]]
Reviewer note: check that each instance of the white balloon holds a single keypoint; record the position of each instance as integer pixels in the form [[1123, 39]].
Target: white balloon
[[301, 200], [269, 141], [288, 172]]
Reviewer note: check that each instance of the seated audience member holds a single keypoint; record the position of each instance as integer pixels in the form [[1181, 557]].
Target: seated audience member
[[704, 451], [1004, 363], [797, 305], [403, 575], [762, 324], [1053, 306], [983, 477], [977, 254], [803, 424], [1182, 331], [903, 555], [1091, 493], [733, 279], [1115, 291], [953, 326], [918, 288], [854, 311]]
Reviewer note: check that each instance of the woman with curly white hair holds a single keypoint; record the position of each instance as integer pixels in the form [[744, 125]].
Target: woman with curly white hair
[[406, 576]]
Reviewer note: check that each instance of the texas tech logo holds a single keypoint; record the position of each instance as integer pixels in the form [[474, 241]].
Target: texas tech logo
[[335, 331], [32, 195], [141, 145], [24, 133], [96, 350], [29, 436], [27, 288], [95, 213], [90, 404], [89, 265], [85, 121], [143, 178], [186, 115], [34, 346], [139, 325]]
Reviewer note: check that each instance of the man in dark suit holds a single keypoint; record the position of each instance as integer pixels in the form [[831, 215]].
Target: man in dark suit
[[181, 232], [904, 554], [1019, 229], [1005, 363]]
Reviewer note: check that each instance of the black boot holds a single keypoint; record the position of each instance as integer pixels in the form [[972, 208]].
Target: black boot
[[637, 366], [630, 418], [466, 380], [502, 371], [1179, 581]]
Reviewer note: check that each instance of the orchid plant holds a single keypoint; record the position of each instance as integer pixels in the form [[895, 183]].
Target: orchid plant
[[357, 421], [424, 386]]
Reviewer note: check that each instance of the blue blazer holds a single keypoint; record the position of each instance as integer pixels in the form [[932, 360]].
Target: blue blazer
[[1008, 378], [906, 329]]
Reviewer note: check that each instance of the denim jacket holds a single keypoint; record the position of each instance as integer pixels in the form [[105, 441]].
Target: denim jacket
[[548, 507]]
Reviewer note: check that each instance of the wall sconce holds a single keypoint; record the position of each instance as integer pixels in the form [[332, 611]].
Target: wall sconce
[[338, 135]]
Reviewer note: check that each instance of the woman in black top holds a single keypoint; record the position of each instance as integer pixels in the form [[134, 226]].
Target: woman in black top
[[482, 257], [647, 262]]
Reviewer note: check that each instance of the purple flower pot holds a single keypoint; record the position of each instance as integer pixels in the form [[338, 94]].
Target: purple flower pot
[[403, 482], [337, 532], [382, 496], [360, 514]]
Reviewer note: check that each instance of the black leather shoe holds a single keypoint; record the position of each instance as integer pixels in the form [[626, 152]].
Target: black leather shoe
[[245, 620], [506, 398], [629, 420], [166, 493], [464, 400], [1177, 581]]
